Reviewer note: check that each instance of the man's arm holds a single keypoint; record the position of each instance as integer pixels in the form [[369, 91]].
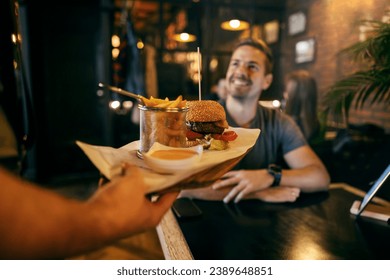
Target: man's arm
[[37, 223], [306, 172]]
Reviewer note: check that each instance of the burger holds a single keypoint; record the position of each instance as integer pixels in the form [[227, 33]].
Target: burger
[[206, 125]]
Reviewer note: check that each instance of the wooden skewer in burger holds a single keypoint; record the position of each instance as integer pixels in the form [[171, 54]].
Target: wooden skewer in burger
[[206, 122]]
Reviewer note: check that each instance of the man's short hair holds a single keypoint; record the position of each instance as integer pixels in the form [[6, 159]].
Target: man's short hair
[[261, 46]]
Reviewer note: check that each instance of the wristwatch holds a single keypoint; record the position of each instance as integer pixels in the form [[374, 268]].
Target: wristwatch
[[276, 172]]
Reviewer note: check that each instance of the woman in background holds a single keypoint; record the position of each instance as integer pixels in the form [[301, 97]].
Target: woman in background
[[300, 97]]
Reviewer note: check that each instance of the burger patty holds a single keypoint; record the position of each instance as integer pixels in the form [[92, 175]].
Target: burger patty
[[205, 127]]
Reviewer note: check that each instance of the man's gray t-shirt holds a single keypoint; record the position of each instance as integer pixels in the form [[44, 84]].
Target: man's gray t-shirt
[[279, 135]]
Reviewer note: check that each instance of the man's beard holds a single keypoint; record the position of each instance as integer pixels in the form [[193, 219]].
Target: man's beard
[[239, 98]]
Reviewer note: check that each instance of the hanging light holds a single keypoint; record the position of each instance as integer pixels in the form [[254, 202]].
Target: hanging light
[[183, 27], [232, 18], [235, 25], [184, 37]]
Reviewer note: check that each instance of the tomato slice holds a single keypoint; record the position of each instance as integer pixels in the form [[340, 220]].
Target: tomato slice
[[192, 135], [226, 136], [229, 136], [217, 136]]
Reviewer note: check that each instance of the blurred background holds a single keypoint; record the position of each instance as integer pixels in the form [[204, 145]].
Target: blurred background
[[58, 54]]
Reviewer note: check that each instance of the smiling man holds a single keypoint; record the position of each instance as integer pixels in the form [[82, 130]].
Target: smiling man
[[259, 175]]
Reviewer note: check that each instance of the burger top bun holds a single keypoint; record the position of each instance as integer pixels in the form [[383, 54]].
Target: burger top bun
[[205, 111]]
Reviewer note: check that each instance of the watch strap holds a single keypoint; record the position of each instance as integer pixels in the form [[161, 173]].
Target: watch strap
[[276, 172]]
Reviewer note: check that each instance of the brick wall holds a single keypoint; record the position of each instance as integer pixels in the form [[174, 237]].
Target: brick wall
[[334, 25]]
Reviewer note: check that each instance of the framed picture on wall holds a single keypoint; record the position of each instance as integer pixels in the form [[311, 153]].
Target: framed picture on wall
[[305, 50], [297, 23], [271, 30]]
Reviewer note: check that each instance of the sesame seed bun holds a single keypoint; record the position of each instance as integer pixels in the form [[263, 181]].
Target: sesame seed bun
[[205, 111]]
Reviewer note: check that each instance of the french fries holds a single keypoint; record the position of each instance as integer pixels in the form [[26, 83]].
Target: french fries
[[165, 103], [163, 126]]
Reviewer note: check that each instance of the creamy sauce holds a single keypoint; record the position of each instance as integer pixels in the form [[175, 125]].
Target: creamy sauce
[[173, 154]]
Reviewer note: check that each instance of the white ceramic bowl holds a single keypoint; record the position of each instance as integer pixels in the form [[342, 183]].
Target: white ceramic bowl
[[172, 161]]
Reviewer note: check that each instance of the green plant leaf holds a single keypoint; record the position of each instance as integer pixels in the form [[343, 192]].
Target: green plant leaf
[[371, 84]]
